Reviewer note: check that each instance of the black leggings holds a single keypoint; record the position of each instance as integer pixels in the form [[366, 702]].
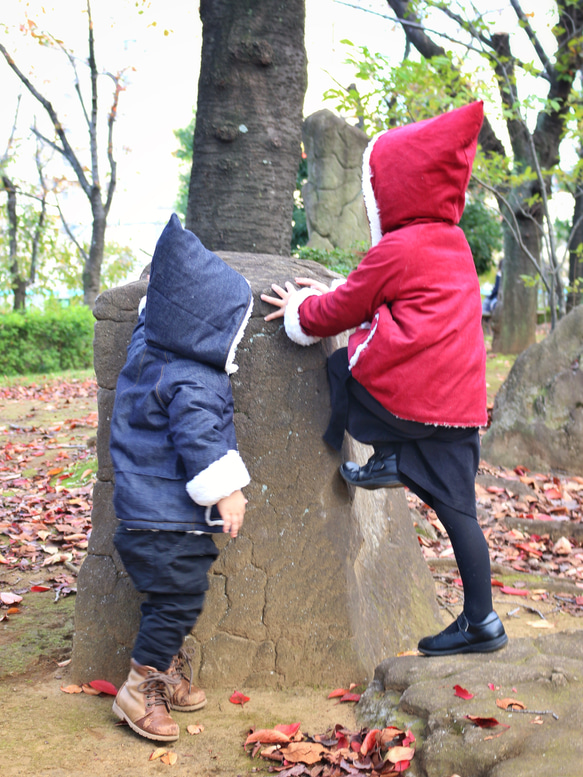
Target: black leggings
[[472, 558], [438, 464]]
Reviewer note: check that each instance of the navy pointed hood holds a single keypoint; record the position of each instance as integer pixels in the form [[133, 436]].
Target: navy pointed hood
[[197, 306]]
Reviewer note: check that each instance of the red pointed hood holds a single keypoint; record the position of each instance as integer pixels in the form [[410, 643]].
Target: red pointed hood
[[421, 171]]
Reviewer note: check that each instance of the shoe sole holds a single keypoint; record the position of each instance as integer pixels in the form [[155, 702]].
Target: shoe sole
[[192, 707], [158, 737], [480, 647], [372, 485]]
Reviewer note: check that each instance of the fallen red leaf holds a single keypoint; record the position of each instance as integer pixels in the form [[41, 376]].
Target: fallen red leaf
[[462, 693], [103, 686], [370, 741], [238, 698], [337, 692], [290, 729], [40, 588], [513, 591], [477, 720], [267, 736], [349, 697]]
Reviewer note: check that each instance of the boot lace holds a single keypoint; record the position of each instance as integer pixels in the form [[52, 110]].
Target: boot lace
[[158, 688], [177, 667]]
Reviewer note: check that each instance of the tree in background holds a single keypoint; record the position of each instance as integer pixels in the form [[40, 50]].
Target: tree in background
[[248, 125], [518, 177], [185, 137], [99, 193]]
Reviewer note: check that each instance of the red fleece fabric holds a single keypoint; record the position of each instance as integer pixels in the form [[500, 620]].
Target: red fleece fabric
[[423, 356]]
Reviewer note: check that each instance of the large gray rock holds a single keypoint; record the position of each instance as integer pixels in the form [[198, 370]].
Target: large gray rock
[[537, 420], [321, 584], [335, 212], [545, 674]]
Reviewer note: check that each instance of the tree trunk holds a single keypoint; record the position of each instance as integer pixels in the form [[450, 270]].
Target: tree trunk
[[17, 284], [575, 295], [514, 324], [92, 264], [247, 137]]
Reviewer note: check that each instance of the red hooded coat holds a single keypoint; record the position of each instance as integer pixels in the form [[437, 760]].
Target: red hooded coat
[[414, 299]]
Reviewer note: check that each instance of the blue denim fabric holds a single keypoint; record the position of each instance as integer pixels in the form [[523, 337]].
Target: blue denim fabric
[[171, 568]]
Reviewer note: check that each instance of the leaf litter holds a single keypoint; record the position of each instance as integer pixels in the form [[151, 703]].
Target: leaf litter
[[47, 473], [337, 752], [45, 524]]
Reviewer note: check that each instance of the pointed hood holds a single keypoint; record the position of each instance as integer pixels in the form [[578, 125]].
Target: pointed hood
[[420, 170], [197, 306]]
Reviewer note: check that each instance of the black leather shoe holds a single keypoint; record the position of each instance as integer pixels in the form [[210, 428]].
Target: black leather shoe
[[464, 637], [380, 471]]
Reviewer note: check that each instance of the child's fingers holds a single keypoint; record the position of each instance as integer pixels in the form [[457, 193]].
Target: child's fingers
[[276, 301], [232, 524], [318, 285], [275, 314]]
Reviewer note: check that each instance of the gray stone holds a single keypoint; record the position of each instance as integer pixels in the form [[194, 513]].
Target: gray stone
[[537, 420], [321, 584], [545, 674], [335, 212]]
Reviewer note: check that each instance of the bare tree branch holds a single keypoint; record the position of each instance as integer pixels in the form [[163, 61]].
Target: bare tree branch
[[65, 149], [541, 53]]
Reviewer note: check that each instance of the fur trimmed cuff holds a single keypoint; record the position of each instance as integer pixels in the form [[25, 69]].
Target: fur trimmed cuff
[[336, 283], [291, 319], [218, 480]]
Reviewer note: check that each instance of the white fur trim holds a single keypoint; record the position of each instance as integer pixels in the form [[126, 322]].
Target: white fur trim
[[363, 345], [230, 366], [142, 304], [336, 283], [219, 480], [291, 318], [372, 208]]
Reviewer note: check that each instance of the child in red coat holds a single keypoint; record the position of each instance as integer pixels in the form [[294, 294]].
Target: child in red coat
[[412, 381]]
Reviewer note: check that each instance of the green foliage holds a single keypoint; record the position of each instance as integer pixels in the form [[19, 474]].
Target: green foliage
[[389, 96], [57, 263], [67, 270], [50, 341], [483, 230], [339, 260], [185, 138], [299, 225]]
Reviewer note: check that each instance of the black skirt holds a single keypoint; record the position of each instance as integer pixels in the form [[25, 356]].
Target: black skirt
[[434, 462]]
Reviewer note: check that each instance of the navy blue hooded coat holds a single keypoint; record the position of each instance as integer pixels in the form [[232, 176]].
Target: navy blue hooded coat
[[173, 443]]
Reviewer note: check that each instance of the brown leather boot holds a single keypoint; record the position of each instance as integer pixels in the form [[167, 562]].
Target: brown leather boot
[[183, 695], [143, 702]]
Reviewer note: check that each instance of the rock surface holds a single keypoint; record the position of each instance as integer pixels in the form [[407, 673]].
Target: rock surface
[[335, 211], [321, 584], [537, 420], [545, 675]]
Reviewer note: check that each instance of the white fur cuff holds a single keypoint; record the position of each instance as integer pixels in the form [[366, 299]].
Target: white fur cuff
[[219, 480], [336, 283], [291, 317]]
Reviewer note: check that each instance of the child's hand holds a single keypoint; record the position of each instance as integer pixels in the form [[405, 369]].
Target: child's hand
[[232, 510], [317, 285], [279, 302]]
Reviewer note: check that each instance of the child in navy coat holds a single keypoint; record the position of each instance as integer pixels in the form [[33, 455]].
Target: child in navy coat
[[412, 381], [178, 472]]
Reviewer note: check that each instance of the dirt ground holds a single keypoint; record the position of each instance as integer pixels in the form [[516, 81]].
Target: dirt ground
[[47, 732]]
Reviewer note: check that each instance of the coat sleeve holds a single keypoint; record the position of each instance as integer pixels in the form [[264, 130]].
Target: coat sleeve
[[203, 434], [309, 316]]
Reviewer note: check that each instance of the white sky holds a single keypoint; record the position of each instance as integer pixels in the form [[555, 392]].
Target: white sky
[[161, 90]]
